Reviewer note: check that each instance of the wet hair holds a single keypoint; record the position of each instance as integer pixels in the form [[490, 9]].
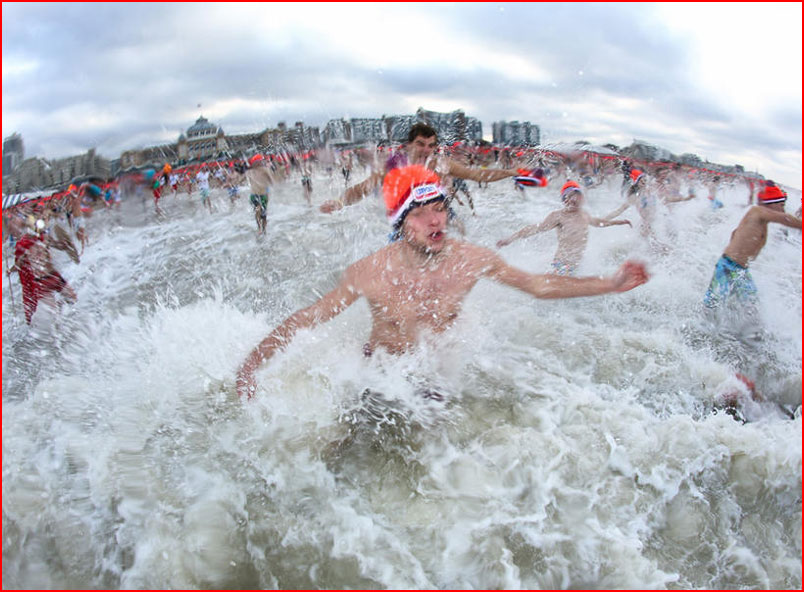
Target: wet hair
[[421, 129]]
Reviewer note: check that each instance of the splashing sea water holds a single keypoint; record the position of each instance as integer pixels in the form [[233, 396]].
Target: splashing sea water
[[577, 446]]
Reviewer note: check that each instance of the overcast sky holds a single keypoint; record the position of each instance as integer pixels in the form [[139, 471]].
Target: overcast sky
[[719, 80]]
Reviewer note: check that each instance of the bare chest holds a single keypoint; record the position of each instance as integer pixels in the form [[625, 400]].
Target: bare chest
[[428, 297]]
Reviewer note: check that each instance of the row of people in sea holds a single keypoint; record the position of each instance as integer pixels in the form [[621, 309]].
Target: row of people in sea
[[418, 281], [591, 170], [456, 164], [419, 184]]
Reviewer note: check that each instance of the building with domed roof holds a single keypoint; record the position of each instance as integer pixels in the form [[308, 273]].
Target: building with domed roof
[[203, 140]]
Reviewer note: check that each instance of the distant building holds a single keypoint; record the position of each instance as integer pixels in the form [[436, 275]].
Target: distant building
[[301, 137], [398, 126], [690, 159], [474, 129], [451, 127], [13, 153], [514, 133], [154, 156], [337, 131], [37, 173], [203, 141], [640, 150], [367, 129]]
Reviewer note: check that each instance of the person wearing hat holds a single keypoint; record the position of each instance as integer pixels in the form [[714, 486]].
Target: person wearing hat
[[420, 149], [259, 180], [572, 223], [39, 279], [731, 280], [639, 196], [76, 214], [419, 281]]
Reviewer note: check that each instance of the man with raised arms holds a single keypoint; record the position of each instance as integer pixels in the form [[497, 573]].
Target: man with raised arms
[[572, 223], [732, 280], [419, 281], [420, 149]]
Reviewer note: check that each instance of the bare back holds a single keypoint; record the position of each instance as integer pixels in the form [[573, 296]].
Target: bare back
[[751, 233]]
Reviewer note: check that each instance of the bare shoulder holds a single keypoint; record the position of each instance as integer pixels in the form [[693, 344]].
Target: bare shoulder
[[556, 217], [756, 212], [780, 216], [463, 248], [474, 256], [369, 266]]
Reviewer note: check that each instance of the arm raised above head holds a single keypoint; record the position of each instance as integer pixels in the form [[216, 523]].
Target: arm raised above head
[[326, 308]]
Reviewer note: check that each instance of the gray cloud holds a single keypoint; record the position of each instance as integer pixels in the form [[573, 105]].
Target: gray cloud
[[119, 76]]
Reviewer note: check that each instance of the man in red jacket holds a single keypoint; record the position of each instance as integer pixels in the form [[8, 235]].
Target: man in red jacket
[[39, 279]]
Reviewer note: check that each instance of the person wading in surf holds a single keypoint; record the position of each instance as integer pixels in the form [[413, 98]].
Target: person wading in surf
[[419, 281], [572, 223], [731, 281], [420, 149]]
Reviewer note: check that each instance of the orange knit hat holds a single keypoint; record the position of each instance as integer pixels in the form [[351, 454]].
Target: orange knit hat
[[771, 194], [408, 187], [567, 189]]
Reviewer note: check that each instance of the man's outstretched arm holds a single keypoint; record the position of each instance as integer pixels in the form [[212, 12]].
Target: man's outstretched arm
[[353, 194], [479, 175], [603, 222], [550, 222], [327, 307], [618, 211], [779, 217], [548, 286]]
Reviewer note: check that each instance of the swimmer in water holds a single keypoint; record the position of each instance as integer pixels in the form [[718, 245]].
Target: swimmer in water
[[642, 198], [420, 149], [419, 282], [572, 223], [732, 282], [259, 179]]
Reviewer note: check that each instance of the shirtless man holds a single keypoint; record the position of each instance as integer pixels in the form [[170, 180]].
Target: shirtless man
[[732, 280], [420, 149], [642, 198], [76, 217], [572, 223], [668, 186], [307, 180], [259, 179], [202, 178], [420, 281]]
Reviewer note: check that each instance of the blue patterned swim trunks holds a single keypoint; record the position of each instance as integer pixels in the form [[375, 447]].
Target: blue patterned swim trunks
[[730, 280]]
